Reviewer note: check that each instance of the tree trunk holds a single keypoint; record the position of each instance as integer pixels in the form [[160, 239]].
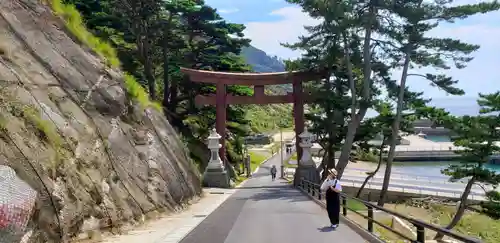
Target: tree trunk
[[330, 161], [349, 140], [461, 209], [148, 68], [395, 130], [166, 60], [367, 69], [324, 166], [166, 76], [372, 174], [148, 71], [174, 91]]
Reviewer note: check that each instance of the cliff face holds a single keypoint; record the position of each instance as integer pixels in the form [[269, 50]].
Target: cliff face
[[70, 131]]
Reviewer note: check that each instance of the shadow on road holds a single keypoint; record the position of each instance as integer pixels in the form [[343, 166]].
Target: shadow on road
[[326, 229], [284, 192], [266, 187]]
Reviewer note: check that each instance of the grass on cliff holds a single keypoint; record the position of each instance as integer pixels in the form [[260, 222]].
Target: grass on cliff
[[46, 130], [74, 22]]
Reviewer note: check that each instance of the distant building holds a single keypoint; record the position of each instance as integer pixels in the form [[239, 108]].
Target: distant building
[[427, 127]]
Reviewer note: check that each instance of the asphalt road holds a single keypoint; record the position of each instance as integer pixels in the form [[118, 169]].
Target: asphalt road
[[266, 211]]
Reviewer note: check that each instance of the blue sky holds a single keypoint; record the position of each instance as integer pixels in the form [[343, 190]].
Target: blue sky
[[271, 22]]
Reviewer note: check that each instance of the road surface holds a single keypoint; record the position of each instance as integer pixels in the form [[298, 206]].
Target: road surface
[[265, 211]]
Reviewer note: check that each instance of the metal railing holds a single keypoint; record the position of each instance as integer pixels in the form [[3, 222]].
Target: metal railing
[[435, 148], [314, 190], [417, 189], [404, 174], [414, 189]]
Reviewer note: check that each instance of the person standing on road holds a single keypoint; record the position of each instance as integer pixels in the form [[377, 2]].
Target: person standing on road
[[273, 172], [332, 188]]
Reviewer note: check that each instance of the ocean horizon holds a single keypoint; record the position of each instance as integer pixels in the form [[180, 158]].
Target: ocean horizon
[[457, 106]]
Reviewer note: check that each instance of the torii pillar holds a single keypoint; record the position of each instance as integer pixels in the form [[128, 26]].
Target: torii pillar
[[221, 117]]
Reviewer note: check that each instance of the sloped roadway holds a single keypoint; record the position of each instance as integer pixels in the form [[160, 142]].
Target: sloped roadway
[[266, 211]]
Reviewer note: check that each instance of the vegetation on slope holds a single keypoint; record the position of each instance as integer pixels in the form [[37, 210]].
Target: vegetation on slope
[[151, 43], [267, 118], [260, 61], [73, 21]]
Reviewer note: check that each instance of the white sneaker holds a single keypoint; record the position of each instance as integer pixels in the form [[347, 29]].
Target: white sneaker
[[335, 226]]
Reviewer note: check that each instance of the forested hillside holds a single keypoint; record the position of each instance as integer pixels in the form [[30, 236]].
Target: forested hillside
[[266, 118], [153, 39], [263, 63]]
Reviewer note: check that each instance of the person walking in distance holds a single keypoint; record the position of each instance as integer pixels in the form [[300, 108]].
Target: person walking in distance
[[273, 172], [332, 188]]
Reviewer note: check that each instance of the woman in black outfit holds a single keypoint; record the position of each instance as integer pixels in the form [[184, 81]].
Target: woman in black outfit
[[332, 188]]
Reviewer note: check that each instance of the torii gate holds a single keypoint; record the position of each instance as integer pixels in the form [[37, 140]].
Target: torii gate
[[221, 99]]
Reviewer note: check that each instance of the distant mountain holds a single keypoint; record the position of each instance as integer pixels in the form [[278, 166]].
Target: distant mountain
[[263, 63]]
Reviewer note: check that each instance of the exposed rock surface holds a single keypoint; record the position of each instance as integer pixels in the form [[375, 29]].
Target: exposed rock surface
[[70, 131]]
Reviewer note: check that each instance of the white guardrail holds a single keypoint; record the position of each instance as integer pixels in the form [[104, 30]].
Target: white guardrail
[[416, 189]]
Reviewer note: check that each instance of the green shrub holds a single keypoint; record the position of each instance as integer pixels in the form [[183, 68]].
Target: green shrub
[[73, 21], [46, 130], [136, 91], [366, 156]]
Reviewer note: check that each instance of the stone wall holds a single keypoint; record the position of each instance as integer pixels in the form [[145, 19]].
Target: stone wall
[[70, 131]]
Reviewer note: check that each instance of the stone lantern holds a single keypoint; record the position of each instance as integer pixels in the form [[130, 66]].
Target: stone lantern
[[307, 167], [306, 143], [215, 161], [215, 174]]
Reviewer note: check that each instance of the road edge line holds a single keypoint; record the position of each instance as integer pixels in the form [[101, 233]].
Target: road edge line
[[222, 201]]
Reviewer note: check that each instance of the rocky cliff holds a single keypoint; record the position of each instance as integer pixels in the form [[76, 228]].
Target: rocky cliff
[[84, 153]]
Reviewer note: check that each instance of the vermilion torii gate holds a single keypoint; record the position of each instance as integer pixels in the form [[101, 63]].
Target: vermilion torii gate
[[258, 80]]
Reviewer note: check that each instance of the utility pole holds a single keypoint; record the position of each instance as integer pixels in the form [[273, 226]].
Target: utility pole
[[281, 152]]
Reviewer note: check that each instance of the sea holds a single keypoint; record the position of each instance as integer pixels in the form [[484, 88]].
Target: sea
[[458, 106]]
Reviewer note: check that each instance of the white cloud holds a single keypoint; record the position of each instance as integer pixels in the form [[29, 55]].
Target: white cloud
[[268, 35], [228, 11], [479, 76]]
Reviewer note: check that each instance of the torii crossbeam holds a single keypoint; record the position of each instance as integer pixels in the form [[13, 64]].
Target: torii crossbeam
[[258, 80]]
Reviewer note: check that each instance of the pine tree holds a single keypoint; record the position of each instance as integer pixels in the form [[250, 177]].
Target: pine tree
[[406, 45], [155, 38], [478, 136], [344, 39]]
